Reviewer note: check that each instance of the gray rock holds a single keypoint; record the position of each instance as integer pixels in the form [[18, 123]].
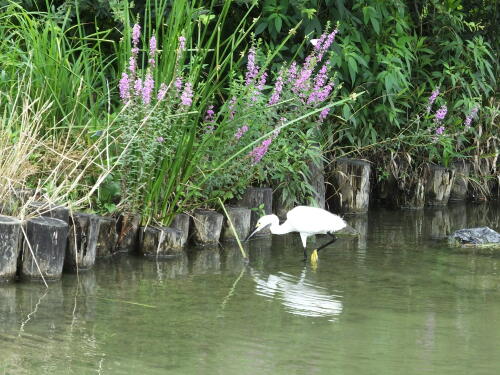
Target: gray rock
[[475, 236]]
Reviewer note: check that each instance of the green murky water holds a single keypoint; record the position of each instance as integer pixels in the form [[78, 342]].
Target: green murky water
[[395, 301]]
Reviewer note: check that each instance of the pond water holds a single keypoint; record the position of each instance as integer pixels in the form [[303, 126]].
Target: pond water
[[397, 300]]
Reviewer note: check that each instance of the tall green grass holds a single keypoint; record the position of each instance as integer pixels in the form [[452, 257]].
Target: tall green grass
[[64, 66]]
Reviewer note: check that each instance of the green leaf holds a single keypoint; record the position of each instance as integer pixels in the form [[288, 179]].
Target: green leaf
[[375, 24], [277, 23], [260, 27]]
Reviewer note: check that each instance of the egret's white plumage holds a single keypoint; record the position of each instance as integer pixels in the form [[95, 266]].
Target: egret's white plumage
[[305, 220]]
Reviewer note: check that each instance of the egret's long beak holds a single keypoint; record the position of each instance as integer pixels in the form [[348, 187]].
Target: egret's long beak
[[257, 229]]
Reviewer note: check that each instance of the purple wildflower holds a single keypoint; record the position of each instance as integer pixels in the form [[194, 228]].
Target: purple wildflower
[[209, 115], [319, 82], [258, 152], [252, 68], [152, 51], [323, 114], [187, 95], [136, 34], [160, 139], [178, 83], [278, 87], [147, 90], [432, 99], [138, 87], [471, 116], [232, 105], [239, 133], [124, 86], [182, 43], [440, 130], [132, 64], [162, 92], [440, 114], [292, 72]]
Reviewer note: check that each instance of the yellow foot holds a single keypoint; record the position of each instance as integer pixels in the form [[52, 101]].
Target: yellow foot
[[314, 256]]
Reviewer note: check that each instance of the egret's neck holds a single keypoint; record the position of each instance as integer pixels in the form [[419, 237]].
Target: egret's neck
[[276, 228]]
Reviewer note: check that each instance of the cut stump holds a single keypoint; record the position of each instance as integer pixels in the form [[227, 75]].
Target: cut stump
[[82, 242], [10, 240], [240, 217], [160, 242], [45, 245]]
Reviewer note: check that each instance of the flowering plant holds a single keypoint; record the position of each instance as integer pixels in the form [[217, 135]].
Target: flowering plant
[[150, 122], [277, 122], [447, 130]]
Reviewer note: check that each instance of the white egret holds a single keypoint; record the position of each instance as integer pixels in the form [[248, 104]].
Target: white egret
[[307, 221]]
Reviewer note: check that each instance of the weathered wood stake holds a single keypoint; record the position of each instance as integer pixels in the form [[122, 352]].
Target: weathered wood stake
[[10, 240], [207, 226], [461, 182], [106, 241], [253, 199], [350, 180], [181, 222], [128, 233], [82, 242], [47, 238], [240, 217], [160, 242], [438, 186]]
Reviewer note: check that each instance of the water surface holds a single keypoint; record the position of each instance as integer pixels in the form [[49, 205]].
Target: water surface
[[397, 300]]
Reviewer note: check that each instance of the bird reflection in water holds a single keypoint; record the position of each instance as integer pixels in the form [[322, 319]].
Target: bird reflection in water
[[297, 295]]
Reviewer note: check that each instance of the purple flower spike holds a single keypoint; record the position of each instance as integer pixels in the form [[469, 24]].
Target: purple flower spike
[[124, 87], [187, 95], [138, 87], [470, 116], [160, 139], [182, 43], [440, 114], [258, 152], [432, 99], [136, 34], [252, 68], [440, 130], [152, 51], [147, 90], [323, 114], [278, 87], [178, 83], [132, 65], [239, 133], [209, 115], [162, 92]]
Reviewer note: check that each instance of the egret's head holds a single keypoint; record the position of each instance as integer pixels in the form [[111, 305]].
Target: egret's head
[[263, 222]]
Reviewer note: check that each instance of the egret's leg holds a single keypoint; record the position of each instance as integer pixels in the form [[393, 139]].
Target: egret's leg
[[328, 243], [305, 254]]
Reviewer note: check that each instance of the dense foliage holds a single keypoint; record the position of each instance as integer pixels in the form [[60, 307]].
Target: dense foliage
[[189, 123]]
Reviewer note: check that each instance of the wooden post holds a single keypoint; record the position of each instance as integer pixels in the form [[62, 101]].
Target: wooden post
[[128, 233], [47, 210], [107, 238], [253, 199], [240, 217], [181, 222], [438, 186], [44, 248], [317, 181], [461, 182], [10, 240], [350, 180], [207, 226], [82, 242], [160, 242]]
